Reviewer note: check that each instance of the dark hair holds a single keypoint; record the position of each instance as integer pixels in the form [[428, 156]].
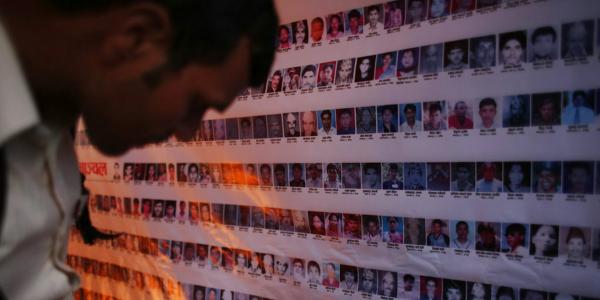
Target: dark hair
[[575, 232], [341, 28], [505, 291], [519, 36], [296, 166], [317, 20], [309, 68], [546, 30], [435, 106], [486, 102], [206, 31], [284, 27], [372, 8], [279, 168], [438, 221], [345, 111], [515, 228], [579, 93], [331, 166], [408, 277], [263, 166], [326, 112], [411, 107], [312, 263], [353, 14], [462, 223]]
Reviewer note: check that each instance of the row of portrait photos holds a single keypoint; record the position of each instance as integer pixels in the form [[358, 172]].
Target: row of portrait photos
[[573, 42], [572, 108], [333, 275], [542, 177], [373, 20], [539, 240], [142, 281]]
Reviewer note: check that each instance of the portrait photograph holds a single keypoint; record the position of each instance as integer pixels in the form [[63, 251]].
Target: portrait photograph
[[345, 121], [431, 288], [414, 231], [344, 73], [291, 124], [291, 79], [546, 109], [331, 275], [275, 126], [332, 177], [296, 175], [434, 115], [314, 175], [245, 128], [544, 240], [230, 215], [517, 176], [300, 33], [265, 175], [456, 54], [482, 51], [272, 218], [515, 238], [489, 235], [352, 225], [284, 37], [416, 11], [578, 107], [577, 40], [333, 224], [392, 176], [232, 129], [439, 8], [275, 82], [365, 69], [438, 176], [437, 233], [258, 217], [479, 291], [547, 177], [408, 286], [387, 118], [460, 114], [366, 120], [410, 117], [386, 66], [326, 122], [220, 134], [415, 177], [354, 21], [348, 277], [513, 48], [454, 289], [489, 177], [259, 125], [516, 111], [216, 214], [578, 177], [388, 284], [432, 59], [371, 228], [317, 222], [301, 223], [373, 19], [505, 292], [282, 266], [393, 229], [463, 177], [317, 28], [487, 116], [367, 281], [335, 26], [207, 130], [280, 175], [394, 14], [574, 244], [308, 121], [286, 220], [543, 44], [326, 74], [308, 77], [351, 175], [408, 63], [462, 234]]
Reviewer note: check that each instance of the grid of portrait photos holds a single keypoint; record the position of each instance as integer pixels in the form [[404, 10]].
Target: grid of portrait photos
[[572, 109], [151, 285], [541, 177], [303, 271], [571, 42], [409, 149]]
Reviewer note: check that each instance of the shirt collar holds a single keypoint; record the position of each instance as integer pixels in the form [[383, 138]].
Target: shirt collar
[[17, 107]]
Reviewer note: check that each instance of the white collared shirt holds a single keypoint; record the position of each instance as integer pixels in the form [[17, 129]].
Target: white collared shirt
[[43, 189]]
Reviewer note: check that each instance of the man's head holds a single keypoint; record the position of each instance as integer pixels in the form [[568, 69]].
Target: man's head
[[316, 29], [326, 119], [354, 21], [543, 40], [487, 111], [139, 71]]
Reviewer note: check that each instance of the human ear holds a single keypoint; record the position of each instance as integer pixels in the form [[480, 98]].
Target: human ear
[[139, 37]]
